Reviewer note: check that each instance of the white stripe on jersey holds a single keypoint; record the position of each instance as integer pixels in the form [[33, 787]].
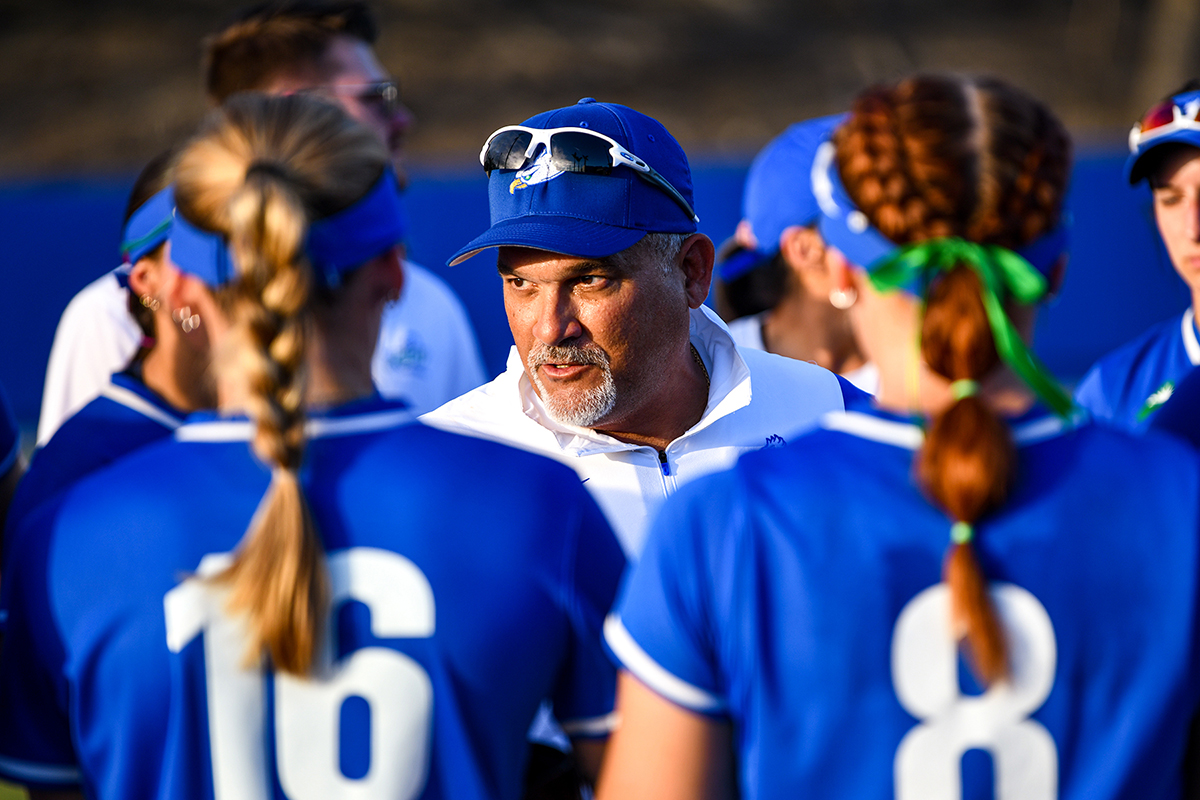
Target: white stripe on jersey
[[910, 437], [865, 426], [596, 726], [131, 400], [651, 673], [1047, 427], [28, 771], [243, 431]]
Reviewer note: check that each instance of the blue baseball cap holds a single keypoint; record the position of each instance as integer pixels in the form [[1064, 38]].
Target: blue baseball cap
[[585, 214], [778, 192], [1171, 121]]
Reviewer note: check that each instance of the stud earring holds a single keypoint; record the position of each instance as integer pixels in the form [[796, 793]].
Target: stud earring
[[150, 302], [842, 299], [181, 313], [190, 322]]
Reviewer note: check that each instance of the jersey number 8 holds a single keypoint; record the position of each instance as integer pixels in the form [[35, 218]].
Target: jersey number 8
[[396, 688], [925, 676]]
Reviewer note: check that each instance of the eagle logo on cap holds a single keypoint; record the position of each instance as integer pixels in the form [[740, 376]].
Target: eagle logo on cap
[[540, 171]]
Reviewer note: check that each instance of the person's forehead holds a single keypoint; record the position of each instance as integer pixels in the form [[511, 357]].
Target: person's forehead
[[1180, 161], [350, 60], [531, 259]]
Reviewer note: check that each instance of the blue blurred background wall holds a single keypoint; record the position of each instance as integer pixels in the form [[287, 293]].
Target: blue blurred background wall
[[58, 236]]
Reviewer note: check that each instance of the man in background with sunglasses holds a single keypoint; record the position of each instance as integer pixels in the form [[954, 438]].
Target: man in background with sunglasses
[[1126, 386], [619, 370], [427, 352]]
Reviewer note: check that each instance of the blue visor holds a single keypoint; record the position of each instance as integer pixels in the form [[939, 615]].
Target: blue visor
[[148, 226], [335, 245], [845, 227]]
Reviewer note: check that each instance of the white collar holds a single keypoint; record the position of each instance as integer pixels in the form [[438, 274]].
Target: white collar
[[1190, 345], [729, 388]]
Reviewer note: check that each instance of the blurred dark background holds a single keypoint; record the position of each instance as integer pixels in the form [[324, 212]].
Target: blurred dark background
[[97, 87], [90, 90]]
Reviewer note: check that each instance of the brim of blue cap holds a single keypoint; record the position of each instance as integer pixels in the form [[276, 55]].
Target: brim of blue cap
[[741, 262], [567, 235], [1135, 165]]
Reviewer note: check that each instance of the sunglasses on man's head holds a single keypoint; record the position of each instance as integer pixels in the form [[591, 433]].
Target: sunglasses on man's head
[[571, 150], [385, 95], [1174, 114]]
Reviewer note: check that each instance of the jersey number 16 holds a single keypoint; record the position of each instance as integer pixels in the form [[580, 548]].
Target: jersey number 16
[[307, 712]]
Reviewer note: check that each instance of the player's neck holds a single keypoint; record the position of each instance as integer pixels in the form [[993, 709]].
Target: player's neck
[[176, 372], [810, 329], [926, 393]]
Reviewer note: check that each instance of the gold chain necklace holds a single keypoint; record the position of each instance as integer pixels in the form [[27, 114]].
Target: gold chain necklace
[[700, 361]]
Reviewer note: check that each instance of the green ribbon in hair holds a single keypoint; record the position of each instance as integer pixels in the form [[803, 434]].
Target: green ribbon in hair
[[1001, 273]]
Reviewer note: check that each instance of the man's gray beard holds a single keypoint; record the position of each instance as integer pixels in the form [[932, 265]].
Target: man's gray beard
[[584, 408]]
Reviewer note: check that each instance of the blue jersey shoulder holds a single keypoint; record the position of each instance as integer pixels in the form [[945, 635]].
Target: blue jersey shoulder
[[1123, 387], [1180, 415], [10, 435], [461, 569], [127, 416], [808, 578]]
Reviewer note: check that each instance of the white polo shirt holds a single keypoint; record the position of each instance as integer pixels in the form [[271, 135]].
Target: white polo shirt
[[755, 400]]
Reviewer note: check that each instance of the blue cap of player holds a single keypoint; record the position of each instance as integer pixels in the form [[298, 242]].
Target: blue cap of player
[[778, 192], [1172, 121], [588, 180], [846, 228], [336, 244], [147, 228]]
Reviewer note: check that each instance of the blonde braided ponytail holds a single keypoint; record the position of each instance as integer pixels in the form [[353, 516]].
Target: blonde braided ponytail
[[261, 171]]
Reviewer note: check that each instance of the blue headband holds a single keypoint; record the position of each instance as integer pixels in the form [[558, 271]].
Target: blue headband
[[336, 244], [148, 226], [845, 227]]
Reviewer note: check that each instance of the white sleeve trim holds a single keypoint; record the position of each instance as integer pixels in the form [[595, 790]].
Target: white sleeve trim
[[31, 772], [595, 726], [651, 673]]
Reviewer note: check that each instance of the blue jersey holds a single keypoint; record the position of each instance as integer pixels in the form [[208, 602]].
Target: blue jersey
[[1181, 414], [127, 415], [10, 435], [1125, 386], [799, 597], [470, 581]]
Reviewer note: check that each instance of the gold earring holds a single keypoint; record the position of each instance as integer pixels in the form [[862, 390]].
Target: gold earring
[[150, 302]]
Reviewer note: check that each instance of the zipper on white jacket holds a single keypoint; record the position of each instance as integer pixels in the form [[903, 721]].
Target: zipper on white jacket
[[662, 462]]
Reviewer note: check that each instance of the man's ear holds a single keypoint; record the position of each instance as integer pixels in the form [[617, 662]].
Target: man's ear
[[696, 258]]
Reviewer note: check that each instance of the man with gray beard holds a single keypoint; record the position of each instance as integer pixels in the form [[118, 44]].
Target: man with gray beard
[[618, 369]]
